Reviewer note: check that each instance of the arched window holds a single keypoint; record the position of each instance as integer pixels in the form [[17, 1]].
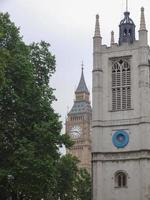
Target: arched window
[[121, 85], [120, 179], [130, 32], [125, 32]]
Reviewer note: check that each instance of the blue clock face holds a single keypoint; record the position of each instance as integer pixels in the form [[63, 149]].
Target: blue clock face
[[120, 138]]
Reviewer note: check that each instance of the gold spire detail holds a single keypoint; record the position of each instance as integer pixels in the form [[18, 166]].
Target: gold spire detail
[[112, 42], [142, 21], [97, 27]]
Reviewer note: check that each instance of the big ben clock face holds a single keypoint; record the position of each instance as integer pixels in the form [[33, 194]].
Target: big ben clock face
[[75, 131], [120, 138]]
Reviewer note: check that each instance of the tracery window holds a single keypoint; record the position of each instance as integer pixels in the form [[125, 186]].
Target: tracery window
[[120, 179], [121, 85]]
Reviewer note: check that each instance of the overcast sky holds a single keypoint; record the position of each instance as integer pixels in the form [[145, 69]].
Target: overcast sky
[[68, 25]]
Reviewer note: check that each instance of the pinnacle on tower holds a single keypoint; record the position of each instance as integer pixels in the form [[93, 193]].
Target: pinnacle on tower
[[82, 88], [97, 27], [142, 21], [112, 38]]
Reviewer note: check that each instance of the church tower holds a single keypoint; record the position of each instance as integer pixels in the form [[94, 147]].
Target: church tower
[[121, 114], [78, 125]]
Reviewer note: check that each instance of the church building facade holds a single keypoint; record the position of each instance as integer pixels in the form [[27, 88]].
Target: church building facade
[[121, 114]]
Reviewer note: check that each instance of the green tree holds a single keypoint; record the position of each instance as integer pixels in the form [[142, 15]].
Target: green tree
[[67, 173], [73, 183], [83, 185], [29, 128], [31, 167]]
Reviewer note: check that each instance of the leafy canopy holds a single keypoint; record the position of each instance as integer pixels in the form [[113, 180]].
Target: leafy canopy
[[31, 167]]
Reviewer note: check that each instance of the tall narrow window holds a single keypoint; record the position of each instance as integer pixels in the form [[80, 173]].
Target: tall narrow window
[[121, 85], [120, 179]]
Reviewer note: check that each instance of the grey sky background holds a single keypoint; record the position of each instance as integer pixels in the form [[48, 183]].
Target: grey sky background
[[68, 25]]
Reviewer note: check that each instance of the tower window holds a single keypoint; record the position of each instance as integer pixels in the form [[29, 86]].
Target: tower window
[[120, 179], [121, 85], [125, 32], [130, 32]]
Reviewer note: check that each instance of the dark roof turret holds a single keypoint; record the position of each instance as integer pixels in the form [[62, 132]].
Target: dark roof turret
[[126, 29], [82, 85]]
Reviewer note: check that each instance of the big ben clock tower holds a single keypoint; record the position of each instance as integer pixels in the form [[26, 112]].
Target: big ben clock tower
[[78, 125]]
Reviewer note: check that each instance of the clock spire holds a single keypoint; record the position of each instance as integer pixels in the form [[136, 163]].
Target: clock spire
[[78, 124], [82, 65], [81, 96], [82, 88]]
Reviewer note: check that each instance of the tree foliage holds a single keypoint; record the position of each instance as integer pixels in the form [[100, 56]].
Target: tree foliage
[[31, 167], [83, 185], [73, 183], [68, 171]]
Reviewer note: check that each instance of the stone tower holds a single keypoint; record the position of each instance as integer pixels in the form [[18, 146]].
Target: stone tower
[[121, 114], [78, 125]]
